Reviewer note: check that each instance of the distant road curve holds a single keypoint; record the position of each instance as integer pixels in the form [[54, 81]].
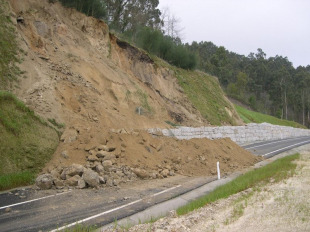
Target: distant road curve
[[268, 149]]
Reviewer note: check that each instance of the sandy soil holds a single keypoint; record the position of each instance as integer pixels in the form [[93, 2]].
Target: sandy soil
[[283, 206], [81, 75]]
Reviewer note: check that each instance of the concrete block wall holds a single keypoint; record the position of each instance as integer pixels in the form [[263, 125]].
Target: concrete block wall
[[240, 134]]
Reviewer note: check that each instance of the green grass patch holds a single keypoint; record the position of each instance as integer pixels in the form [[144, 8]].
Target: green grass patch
[[277, 170], [13, 180], [249, 116], [205, 93], [9, 49], [26, 142]]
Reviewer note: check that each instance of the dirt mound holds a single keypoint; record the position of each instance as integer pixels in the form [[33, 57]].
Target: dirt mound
[[153, 157]]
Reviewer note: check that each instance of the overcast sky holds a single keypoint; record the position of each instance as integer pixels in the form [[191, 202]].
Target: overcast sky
[[279, 27]]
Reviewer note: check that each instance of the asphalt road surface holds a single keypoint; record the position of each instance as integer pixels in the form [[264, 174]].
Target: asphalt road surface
[[31, 210]]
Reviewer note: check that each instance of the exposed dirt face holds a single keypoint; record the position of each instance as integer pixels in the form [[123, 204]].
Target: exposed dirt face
[[82, 76]]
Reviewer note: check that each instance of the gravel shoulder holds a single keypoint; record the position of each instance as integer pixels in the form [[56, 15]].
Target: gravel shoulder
[[284, 206]]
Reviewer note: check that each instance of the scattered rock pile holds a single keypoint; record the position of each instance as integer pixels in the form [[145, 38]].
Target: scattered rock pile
[[123, 157]]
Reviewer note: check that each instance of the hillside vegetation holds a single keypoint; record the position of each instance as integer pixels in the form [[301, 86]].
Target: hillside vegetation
[[249, 116], [26, 142]]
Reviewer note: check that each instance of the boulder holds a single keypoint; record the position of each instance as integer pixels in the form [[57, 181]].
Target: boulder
[[107, 164], [92, 158], [102, 154], [99, 168], [81, 184], [75, 169], [44, 181], [91, 178], [109, 156], [59, 184], [141, 173], [73, 181], [165, 173]]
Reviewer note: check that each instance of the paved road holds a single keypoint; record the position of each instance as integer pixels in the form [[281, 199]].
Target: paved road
[[30, 210], [272, 148]]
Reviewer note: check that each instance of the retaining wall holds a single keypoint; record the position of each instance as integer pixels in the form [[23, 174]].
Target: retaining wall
[[240, 134]]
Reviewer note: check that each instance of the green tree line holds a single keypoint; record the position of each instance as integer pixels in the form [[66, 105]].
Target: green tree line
[[269, 85]]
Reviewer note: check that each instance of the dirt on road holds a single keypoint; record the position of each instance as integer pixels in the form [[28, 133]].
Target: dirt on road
[[283, 206]]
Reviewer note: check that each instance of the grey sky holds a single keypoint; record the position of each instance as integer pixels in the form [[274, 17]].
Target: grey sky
[[279, 27]]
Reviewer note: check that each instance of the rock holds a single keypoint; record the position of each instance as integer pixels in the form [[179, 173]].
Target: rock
[[107, 164], [81, 184], [44, 181], [69, 136], [55, 174], [73, 181], [8, 210], [106, 148], [109, 182], [59, 184], [91, 178], [109, 156], [89, 147], [116, 182], [92, 158], [165, 173], [101, 154], [64, 154], [102, 148], [99, 168], [75, 169], [171, 173], [120, 174], [141, 173], [102, 180]]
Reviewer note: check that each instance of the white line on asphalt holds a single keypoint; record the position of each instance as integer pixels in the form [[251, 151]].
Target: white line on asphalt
[[37, 199], [109, 211], [167, 190], [271, 143], [304, 142]]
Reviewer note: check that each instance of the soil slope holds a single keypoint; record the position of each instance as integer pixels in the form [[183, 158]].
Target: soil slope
[[107, 92]]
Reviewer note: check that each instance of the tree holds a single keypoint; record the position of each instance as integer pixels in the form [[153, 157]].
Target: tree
[[95, 8], [131, 15]]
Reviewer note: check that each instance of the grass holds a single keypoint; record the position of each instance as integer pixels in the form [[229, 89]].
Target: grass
[[206, 95], [278, 170], [249, 116], [26, 142], [9, 50], [13, 180]]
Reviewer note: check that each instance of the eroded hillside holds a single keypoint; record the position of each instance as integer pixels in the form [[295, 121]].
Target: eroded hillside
[[100, 87]]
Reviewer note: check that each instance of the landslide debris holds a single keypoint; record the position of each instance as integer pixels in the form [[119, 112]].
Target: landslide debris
[[125, 156], [107, 92]]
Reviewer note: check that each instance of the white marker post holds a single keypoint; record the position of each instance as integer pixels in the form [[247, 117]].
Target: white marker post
[[218, 170]]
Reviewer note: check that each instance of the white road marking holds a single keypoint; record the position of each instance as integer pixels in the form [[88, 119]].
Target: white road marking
[[111, 210], [37, 199], [167, 190], [304, 142], [271, 143]]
